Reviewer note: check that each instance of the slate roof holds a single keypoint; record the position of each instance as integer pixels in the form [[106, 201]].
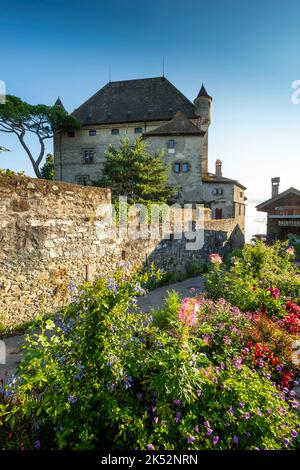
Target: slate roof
[[212, 178], [262, 207], [203, 92], [179, 125], [146, 99]]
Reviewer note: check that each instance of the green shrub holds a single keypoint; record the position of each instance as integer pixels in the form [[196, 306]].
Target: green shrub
[[264, 278], [107, 376]]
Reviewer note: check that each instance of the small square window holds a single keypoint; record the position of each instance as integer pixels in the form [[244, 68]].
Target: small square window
[[138, 130], [92, 132], [177, 167], [71, 134], [115, 131], [171, 144]]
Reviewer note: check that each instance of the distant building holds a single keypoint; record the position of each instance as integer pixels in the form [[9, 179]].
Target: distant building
[[156, 110], [283, 211]]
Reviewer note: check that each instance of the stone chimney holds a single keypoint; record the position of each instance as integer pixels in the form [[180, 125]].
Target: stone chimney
[[275, 186], [218, 167]]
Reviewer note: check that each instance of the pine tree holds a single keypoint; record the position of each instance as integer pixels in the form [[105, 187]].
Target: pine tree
[[130, 170], [47, 170]]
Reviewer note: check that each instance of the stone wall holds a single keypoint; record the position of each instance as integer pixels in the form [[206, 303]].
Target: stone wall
[[54, 233]]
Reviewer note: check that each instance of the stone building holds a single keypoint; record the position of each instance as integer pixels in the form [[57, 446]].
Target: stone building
[[156, 110], [283, 211]]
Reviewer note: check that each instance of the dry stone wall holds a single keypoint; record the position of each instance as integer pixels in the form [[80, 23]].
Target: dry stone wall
[[49, 237]]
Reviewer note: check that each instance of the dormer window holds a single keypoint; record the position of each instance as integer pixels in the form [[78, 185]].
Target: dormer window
[[115, 132], [138, 130], [92, 132]]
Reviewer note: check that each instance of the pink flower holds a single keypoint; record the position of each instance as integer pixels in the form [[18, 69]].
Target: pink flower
[[274, 292], [189, 309], [215, 258], [290, 250]]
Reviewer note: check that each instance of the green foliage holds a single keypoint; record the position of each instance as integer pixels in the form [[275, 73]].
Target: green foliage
[[47, 170], [252, 281], [8, 172], [20, 118], [107, 376], [130, 170]]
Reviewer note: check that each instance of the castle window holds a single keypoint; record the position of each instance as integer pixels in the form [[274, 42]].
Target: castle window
[[181, 167], [138, 130], [217, 191], [115, 131], [88, 156], [92, 132], [171, 144], [82, 179], [71, 134], [184, 167]]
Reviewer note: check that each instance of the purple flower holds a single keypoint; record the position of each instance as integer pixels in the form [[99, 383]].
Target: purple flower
[[281, 411], [215, 440], [235, 439], [177, 402], [247, 416], [241, 404], [197, 428], [177, 416], [37, 444], [209, 432], [294, 433], [150, 447], [286, 442], [155, 419], [191, 439], [72, 399], [223, 366], [270, 411], [231, 410], [199, 393], [259, 412], [206, 424]]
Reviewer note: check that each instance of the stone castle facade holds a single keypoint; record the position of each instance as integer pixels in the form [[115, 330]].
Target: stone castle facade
[[156, 110]]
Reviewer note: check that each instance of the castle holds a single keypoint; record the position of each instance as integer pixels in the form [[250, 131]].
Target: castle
[[152, 108]]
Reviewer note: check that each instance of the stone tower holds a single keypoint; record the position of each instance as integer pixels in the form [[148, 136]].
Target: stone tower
[[203, 110]]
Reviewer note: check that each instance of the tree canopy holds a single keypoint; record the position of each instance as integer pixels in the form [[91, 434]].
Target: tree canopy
[[130, 170], [21, 118]]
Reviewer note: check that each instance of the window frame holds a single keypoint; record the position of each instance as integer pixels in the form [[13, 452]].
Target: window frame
[[92, 132], [140, 130], [115, 131], [88, 156]]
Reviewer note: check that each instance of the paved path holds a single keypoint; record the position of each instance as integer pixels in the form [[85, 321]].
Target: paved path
[[155, 298]]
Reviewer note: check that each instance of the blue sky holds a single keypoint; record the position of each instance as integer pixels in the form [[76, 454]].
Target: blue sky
[[246, 53]]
